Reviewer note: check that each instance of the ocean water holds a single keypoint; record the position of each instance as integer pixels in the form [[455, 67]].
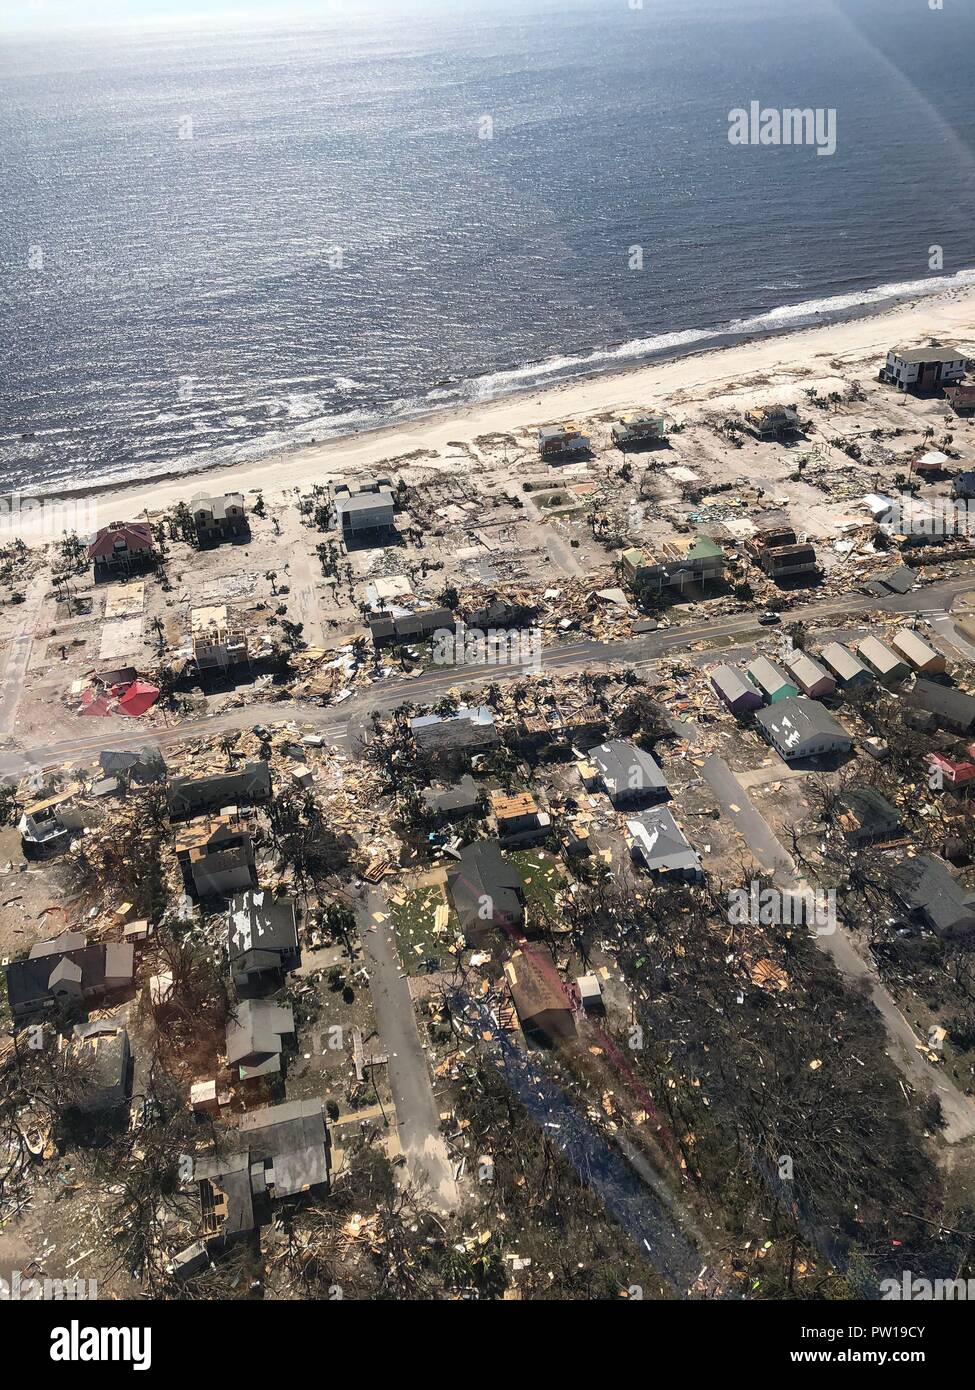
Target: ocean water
[[171, 203]]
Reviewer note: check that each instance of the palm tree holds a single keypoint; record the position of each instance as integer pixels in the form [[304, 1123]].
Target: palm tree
[[159, 628], [271, 577]]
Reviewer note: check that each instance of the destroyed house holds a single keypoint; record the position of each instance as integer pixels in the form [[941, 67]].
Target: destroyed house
[[216, 855], [811, 678], [498, 614], [961, 397], [952, 709], [922, 369], [561, 442], [636, 430], [538, 995], [121, 547], [801, 728], [262, 938], [70, 972], [773, 421], [886, 665], [627, 774], [933, 897], [777, 551], [865, 817], [219, 518], [189, 796], [518, 817], [142, 766], [735, 690], [770, 680], [921, 655], [46, 826], [657, 842], [257, 1035], [486, 891], [467, 728], [101, 1060], [844, 665], [284, 1152]]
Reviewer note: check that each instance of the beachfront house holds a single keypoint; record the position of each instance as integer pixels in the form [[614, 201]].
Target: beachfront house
[[658, 844], [122, 548], [639, 431], [773, 421], [559, 442], [219, 518], [922, 369]]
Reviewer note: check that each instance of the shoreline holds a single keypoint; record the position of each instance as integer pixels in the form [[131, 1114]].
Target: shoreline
[[648, 383]]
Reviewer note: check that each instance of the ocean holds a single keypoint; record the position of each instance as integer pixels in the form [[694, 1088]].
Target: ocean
[[222, 241]]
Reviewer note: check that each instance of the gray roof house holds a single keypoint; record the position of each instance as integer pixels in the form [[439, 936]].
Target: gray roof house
[[256, 1037], [486, 891], [934, 897], [461, 798], [219, 518], [68, 971], [811, 678], [657, 842], [467, 728], [845, 666], [188, 796], [886, 665], [627, 774], [952, 709], [801, 728], [284, 1151], [735, 689], [262, 937], [770, 680], [368, 511]]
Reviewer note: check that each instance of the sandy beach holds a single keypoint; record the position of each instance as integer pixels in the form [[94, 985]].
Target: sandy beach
[[734, 376]]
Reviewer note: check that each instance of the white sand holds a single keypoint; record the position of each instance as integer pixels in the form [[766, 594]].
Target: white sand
[[780, 362]]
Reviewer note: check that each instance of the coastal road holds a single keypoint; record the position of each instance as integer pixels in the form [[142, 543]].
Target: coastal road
[[903, 1043], [341, 724], [417, 1116]]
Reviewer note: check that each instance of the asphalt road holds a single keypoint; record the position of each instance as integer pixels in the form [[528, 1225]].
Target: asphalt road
[[417, 1117], [335, 721]]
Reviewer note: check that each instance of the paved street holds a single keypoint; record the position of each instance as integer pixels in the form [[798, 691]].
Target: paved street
[[417, 1116]]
